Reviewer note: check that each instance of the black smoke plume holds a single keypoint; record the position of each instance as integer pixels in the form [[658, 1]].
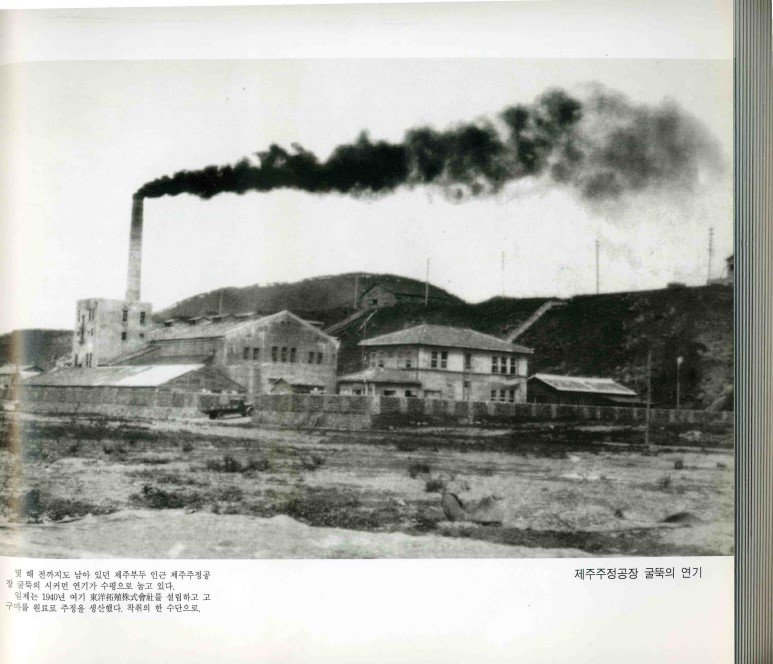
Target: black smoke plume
[[602, 147]]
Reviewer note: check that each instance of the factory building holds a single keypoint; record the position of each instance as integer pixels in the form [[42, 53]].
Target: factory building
[[268, 354], [259, 353], [107, 329], [172, 390], [436, 361]]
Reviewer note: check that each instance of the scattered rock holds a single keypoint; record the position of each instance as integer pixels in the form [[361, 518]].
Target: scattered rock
[[683, 518], [619, 513], [691, 436]]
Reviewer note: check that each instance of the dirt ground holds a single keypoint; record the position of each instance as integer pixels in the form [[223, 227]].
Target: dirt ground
[[105, 488]]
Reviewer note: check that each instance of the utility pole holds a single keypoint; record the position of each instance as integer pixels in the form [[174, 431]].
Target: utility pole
[[356, 289], [426, 286], [679, 361], [220, 305], [711, 254], [649, 399], [597, 266], [503, 274]]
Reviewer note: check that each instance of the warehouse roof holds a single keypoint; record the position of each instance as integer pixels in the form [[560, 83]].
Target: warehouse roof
[[204, 330], [584, 384], [441, 335], [214, 330], [124, 376], [404, 377]]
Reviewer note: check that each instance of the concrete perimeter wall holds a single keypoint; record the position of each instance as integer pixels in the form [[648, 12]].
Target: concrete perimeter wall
[[139, 402], [363, 412]]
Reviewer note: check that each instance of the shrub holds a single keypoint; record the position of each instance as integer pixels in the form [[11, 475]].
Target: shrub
[[160, 499], [434, 485], [187, 447], [664, 483], [312, 462], [418, 468], [260, 464], [678, 464]]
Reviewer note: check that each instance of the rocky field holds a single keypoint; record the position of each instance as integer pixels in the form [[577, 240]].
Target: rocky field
[[101, 488]]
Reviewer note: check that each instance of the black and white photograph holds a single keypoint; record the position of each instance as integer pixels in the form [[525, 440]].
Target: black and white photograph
[[368, 308]]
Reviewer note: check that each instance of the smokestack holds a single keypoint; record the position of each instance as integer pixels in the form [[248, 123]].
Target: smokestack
[[133, 280]]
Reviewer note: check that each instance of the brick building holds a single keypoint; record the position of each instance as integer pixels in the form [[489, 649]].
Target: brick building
[[437, 361]]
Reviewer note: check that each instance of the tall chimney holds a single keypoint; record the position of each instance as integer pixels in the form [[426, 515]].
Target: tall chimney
[[135, 252]]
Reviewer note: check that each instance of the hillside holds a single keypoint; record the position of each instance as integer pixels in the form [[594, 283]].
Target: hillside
[[600, 335], [39, 347], [327, 297], [597, 335]]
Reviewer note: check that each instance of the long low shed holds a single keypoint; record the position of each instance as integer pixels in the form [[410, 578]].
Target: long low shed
[[155, 391]]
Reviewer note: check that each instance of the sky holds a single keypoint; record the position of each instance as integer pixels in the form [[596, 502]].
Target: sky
[[85, 135]]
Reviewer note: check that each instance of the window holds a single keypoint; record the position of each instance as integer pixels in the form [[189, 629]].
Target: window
[[433, 360], [502, 394], [246, 353], [319, 359], [468, 360], [444, 359], [142, 335], [125, 316], [293, 355], [256, 353], [89, 357], [493, 395], [409, 393], [284, 354], [512, 366], [274, 353], [511, 394], [311, 357], [380, 360], [503, 365], [494, 364], [408, 362], [123, 336], [389, 393], [142, 317]]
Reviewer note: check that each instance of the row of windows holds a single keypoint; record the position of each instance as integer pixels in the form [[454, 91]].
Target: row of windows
[[504, 394], [125, 335], [87, 360], [433, 361], [125, 316], [499, 364], [283, 354], [439, 360]]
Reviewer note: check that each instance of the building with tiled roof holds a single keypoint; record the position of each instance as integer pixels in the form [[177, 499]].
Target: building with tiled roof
[[437, 361]]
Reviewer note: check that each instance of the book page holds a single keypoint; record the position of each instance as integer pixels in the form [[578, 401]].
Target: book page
[[368, 332]]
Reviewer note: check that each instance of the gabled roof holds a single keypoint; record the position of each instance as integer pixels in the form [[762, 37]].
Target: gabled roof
[[155, 355], [584, 384], [441, 335], [124, 376], [374, 375], [216, 330], [200, 331]]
